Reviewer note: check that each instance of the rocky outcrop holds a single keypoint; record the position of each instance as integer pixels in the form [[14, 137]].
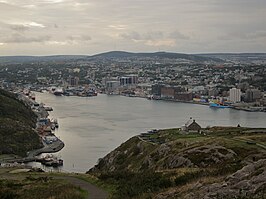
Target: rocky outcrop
[[198, 166], [248, 182], [137, 155], [202, 156]]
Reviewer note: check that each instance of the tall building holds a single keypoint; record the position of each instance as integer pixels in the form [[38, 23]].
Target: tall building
[[112, 86], [253, 95], [73, 81], [156, 89], [234, 95], [129, 80]]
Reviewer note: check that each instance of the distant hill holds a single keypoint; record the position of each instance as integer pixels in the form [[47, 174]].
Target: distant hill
[[16, 126], [207, 57], [169, 55], [236, 56], [106, 55], [32, 59]]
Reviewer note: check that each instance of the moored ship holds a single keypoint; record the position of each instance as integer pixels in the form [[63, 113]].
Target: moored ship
[[218, 105]]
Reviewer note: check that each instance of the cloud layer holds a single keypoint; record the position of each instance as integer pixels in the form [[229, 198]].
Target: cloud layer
[[41, 27]]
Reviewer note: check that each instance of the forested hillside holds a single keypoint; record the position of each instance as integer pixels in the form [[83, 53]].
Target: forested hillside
[[17, 124]]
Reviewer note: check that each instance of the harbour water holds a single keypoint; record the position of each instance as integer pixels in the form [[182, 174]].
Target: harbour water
[[93, 126]]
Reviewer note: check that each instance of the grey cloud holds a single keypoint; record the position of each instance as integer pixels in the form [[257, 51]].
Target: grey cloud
[[86, 37], [19, 38], [178, 35], [19, 28], [79, 38], [243, 35], [136, 25], [154, 35], [131, 36]]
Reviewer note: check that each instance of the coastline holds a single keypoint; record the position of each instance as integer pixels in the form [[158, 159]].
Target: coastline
[[53, 147], [235, 107]]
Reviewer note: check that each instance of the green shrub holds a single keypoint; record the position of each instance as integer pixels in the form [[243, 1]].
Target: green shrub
[[131, 184], [188, 177]]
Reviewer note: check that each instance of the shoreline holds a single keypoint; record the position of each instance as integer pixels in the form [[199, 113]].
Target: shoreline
[[53, 147], [246, 107], [240, 108]]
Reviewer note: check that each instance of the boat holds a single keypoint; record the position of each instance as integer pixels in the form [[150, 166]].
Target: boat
[[56, 123], [32, 96], [59, 92], [217, 105], [53, 126], [50, 160], [53, 163], [48, 108]]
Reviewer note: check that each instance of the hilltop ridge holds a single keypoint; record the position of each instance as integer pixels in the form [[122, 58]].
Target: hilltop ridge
[[107, 55], [189, 165]]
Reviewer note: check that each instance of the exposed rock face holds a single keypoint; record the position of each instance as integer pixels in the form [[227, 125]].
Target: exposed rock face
[[141, 156], [177, 161], [209, 154], [248, 182], [202, 156]]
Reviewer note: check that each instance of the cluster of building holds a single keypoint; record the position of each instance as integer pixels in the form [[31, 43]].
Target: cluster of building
[[234, 81], [115, 85], [181, 93]]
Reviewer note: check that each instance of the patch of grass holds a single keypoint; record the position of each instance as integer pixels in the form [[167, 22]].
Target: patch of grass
[[188, 177], [39, 188], [131, 185], [110, 188]]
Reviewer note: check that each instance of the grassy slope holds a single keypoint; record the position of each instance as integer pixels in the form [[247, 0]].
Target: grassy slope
[[212, 157], [130, 179], [36, 186], [16, 126]]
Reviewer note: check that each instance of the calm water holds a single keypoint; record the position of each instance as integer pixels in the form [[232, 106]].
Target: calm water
[[92, 127]]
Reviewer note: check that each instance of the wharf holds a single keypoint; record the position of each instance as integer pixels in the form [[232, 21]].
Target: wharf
[[52, 147], [48, 148]]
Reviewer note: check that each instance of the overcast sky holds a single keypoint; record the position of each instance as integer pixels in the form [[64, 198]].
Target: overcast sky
[[46, 27]]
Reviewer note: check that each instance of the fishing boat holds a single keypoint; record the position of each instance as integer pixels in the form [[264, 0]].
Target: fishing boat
[[55, 122], [217, 105], [59, 92], [50, 160]]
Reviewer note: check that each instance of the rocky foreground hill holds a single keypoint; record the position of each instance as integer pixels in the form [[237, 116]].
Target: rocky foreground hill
[[219, 162]]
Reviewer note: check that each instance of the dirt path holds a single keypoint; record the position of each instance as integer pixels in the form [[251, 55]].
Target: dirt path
[[93, 191]]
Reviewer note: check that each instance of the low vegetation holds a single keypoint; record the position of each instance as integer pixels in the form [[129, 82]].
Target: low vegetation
[[17, 123], [39, 188], [133, 185]]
